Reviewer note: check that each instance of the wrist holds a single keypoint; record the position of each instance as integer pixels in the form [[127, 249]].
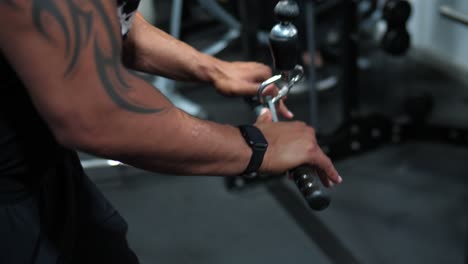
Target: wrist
[[208, 68]]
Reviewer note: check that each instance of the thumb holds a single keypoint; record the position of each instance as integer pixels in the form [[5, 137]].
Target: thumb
[[265, 116]]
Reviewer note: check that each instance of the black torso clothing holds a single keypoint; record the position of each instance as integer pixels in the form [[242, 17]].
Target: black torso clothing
[[21, 151], [49, 210]]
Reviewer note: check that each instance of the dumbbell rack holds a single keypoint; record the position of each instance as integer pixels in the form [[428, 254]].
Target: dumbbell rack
[[360, 133]]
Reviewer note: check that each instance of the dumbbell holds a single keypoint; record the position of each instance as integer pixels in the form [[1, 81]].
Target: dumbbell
[[396, 41], [396, 14]]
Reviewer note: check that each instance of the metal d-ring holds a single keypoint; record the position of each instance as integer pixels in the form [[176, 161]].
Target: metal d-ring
[[264, 85], [291, 77], [298, 73]]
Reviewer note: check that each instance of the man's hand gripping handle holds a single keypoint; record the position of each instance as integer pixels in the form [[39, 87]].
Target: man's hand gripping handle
[[284, 49]]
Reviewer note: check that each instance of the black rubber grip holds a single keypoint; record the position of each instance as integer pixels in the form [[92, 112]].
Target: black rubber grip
[[309, 184], [284, 52]]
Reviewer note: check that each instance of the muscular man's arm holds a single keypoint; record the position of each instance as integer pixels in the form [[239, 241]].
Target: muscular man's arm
[[68, 54], [151, 50]]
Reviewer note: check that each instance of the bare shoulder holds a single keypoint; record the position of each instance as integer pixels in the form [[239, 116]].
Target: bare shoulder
[[68, 43], [67, 22]]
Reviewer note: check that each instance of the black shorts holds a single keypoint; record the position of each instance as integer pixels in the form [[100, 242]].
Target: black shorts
[[100, 234]]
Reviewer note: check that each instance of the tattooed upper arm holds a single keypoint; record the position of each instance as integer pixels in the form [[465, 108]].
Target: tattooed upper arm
[[69, 36]]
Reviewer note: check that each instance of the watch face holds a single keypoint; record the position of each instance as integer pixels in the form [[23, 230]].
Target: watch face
[[255, 138]]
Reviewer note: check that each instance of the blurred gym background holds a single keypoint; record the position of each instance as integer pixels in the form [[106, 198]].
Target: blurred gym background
[[392, 111]]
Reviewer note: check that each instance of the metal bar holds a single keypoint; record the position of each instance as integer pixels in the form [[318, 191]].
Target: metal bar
[[219, 13], [249, 21], [350, 82], [272, 108], [313, 102], [176, 18], [222, 43], [454, 15]]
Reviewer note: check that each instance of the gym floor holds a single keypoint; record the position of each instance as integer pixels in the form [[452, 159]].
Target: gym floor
[[398, 204]]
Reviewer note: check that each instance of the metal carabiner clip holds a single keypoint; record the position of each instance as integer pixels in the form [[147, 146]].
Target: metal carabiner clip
[[290, 77]]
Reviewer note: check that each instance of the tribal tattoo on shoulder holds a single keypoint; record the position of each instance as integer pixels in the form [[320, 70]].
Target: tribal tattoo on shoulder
[[77, 24]]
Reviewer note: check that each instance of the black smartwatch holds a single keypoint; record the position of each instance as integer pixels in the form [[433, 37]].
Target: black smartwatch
[[255, 139]]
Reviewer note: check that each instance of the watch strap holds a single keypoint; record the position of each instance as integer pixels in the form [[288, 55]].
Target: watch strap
[[257, 142]]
